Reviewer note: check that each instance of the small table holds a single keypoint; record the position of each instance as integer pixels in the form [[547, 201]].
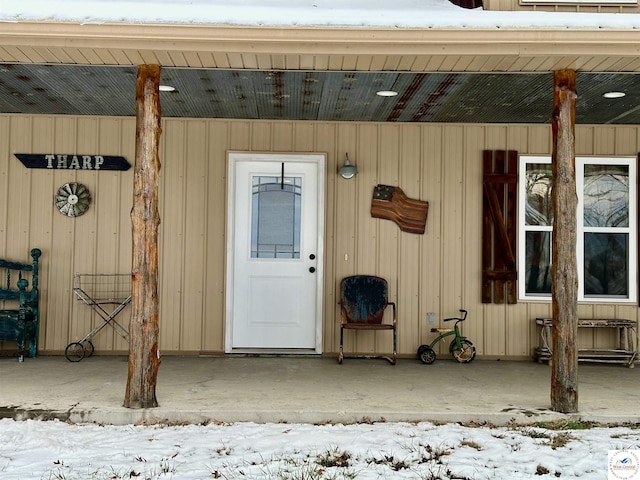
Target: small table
[[626, 353]]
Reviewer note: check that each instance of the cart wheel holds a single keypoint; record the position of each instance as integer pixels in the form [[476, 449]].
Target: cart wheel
[[87, 346], [426, 354], [465, 354], [74, 352]]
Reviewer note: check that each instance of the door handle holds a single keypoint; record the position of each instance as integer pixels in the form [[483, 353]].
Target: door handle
[[312, 269]]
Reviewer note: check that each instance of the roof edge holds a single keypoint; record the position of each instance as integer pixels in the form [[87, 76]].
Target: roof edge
[[309, 41]]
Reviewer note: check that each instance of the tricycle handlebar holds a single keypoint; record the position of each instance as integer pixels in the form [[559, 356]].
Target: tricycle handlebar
[[464, 316]]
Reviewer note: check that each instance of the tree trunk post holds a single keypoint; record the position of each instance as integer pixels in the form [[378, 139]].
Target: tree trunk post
[[144, 355], [564, 289]]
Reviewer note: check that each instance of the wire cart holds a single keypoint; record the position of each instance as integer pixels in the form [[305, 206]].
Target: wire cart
[[107, 295]]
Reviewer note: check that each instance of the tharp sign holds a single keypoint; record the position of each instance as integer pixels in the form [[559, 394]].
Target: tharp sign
[[53, 161]]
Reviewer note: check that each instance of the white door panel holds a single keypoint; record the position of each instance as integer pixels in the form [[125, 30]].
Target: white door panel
[[274, 255]]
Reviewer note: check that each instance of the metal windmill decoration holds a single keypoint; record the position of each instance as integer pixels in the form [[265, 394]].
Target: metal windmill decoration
[[73, 199]]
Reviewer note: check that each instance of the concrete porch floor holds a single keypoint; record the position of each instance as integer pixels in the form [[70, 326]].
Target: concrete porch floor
[[311, 390]]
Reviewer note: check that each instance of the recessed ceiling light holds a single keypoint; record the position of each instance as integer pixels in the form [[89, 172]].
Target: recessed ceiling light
[[167, 88], [386, 93], [614, 95]]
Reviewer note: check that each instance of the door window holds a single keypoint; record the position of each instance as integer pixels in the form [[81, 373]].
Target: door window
[[275, 217]]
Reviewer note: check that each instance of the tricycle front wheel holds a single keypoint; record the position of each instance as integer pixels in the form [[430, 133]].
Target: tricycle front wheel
[[426, 354], [465, 353]]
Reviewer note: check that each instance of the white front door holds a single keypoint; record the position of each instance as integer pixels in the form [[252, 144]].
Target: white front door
[[274, 252]]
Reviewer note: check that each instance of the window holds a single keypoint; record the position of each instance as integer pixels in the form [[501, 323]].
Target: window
[[275, 217], [606, 236]]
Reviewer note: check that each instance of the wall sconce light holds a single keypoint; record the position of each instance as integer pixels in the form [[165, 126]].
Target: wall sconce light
[[347, 170]]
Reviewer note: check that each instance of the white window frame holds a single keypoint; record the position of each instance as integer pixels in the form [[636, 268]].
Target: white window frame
[[631, 229]]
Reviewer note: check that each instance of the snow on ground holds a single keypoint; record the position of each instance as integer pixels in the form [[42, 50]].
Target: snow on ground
[[355, 13], [36, 450]]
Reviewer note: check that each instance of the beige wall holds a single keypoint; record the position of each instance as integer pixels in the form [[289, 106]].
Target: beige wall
[[509, 5], [438, 271]]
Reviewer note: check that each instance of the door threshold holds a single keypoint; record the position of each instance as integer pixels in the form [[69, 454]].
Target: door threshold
[[274, 352]]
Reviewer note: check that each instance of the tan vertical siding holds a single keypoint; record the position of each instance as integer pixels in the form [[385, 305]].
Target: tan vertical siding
[[215, 224], [283, 136], [364, 153], [325, 141], [5, 151], [430, 265], [90, 252], [515, 5], [193, 270], [409, 288], [388, 247], [452, 197], [436, 272], [366, 239], [521, 331], [346, 221], [174, 247], [475, 137]]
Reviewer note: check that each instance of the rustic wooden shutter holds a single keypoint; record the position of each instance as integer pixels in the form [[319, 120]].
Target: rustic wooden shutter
[[499, 223]]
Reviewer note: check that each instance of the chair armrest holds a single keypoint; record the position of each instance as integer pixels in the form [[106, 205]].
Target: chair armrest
[[395, 317]]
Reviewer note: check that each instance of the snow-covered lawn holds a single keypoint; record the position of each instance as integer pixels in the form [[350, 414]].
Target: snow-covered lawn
[[58, 451]]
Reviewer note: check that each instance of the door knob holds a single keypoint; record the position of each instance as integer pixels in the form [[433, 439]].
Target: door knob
[[312, 269]]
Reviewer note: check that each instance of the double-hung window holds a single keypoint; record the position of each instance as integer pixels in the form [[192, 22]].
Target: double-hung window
[[606, 228]]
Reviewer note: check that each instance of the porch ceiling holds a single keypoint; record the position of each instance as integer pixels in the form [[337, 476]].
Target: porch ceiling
[[316, 95], [326, 74]]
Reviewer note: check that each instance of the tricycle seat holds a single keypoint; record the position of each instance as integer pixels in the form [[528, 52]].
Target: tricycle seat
[[441, 330]]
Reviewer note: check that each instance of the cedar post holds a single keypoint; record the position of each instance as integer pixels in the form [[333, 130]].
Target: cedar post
[[564, 289], [144, 355]]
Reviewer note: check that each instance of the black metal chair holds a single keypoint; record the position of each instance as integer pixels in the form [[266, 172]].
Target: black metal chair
[[363, 302]]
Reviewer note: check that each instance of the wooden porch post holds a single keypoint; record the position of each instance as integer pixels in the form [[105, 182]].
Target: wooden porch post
[[564, 289], [144, 355]]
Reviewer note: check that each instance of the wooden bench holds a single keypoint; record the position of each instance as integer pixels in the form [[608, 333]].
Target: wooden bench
[[20, 323], [625, 352]]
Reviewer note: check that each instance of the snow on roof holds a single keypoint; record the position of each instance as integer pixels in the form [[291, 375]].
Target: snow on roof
[[302, 13]]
